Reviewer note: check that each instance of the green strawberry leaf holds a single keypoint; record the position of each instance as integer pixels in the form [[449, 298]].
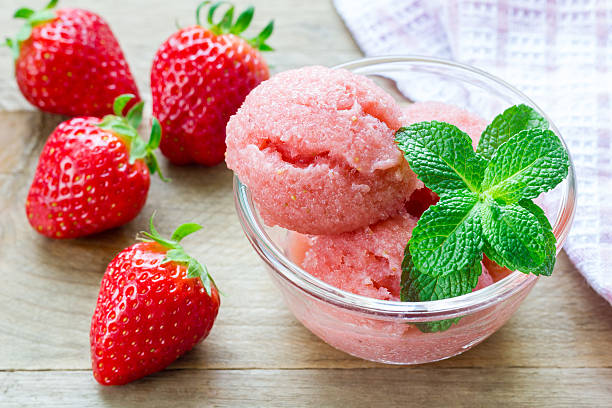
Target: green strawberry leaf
[[24, 33], [420, 287], [529, 163], [243, 21], [134, 116], [515, 234], [227, 26], [176, 253], [184, 230], [32, 19], [448, 236], [40, 17], [126, 126], [23, 12], [442, 156], [120, 102], [507, 124]]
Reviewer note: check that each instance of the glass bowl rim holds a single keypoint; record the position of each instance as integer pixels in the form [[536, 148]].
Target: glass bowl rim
[[421, 311]]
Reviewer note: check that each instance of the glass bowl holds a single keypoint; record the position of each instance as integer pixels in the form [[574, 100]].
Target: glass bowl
[[386, 331]]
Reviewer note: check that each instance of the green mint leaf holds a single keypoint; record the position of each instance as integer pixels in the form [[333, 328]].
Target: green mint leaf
[[442, 156], [515, 235], [437, 326], [548, 265], [529, 163], [420, 287], [507, 124], [448, 236]]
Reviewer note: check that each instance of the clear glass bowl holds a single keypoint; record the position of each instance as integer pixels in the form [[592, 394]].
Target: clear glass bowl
[[385, 331]]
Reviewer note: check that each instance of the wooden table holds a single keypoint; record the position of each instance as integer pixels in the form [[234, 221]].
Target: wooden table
[[556, 350]]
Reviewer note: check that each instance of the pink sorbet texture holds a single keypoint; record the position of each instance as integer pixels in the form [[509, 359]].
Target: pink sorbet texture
[[315, 147], [469, 122], [367, 261]]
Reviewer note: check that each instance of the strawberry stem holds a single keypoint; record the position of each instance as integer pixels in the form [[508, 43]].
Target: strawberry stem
[[126, 126], [227, 26], [176, 253], [32, 19]]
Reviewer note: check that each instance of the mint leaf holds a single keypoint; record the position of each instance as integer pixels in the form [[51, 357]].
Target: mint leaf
[[448, 236], [546, 268], [528, 164], [442, 156], [507, 124], [515, 235], [548, 265], [420, 287]]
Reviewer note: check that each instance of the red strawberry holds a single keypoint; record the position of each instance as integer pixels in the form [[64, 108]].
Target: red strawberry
[[200, 77], [69, 52], [155, 303], [92, 174]]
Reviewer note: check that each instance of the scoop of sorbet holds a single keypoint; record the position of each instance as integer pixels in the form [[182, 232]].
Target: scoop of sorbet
[[367, 261], [315, 147], [469, 122]]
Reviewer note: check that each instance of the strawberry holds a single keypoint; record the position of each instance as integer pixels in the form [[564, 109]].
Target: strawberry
[[69, 52], [200, 77], [93, 174], [155, 303]]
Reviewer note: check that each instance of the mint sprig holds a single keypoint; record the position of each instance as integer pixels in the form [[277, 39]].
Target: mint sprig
[[420, 287], [443, 156], [529, 163], [449, 234], [485, 203], [507, 124]]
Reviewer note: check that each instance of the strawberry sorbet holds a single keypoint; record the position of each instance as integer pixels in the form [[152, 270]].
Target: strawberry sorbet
[[367, 261], [315, 146], [470, 123]]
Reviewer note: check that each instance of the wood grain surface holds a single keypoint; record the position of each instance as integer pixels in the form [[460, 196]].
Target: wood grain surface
[[555, 351]]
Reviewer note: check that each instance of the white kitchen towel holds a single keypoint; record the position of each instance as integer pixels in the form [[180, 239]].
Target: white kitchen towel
[[559, 52]]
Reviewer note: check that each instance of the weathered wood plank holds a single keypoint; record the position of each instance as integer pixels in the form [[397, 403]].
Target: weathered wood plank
[[555, 351], [471, 388]]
